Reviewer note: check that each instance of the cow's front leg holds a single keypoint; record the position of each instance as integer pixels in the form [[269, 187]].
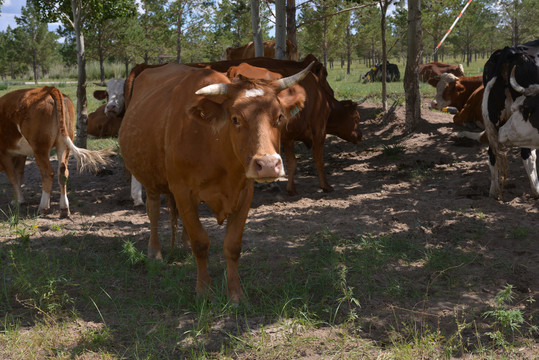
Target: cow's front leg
[[529, 159], [136, 192], [494, 177], [11, 165], [318, 155], [232, 245], [198, 238], [291, 164], [153, 202]]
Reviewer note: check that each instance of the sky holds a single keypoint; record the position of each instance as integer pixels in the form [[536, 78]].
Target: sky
[[12, 8]]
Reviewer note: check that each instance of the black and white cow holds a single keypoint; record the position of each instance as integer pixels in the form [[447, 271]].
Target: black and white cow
[[511, 77]]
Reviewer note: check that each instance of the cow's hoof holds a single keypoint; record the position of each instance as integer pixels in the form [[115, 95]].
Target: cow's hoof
[[138, 203], [64, 213], [45, 211], [327, 189], [155, 254]]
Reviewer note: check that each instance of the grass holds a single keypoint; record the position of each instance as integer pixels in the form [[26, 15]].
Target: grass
[[80, 295]]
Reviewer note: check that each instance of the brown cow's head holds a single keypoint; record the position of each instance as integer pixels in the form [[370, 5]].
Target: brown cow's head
[[344, 121], [251, 113], [447, 89]]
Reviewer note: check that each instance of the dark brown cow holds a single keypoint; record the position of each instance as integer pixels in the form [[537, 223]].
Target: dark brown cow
[[455, 91], [322, 115], [248, 51], [208, 140], [32, 122], [101, 125], [435, 69]]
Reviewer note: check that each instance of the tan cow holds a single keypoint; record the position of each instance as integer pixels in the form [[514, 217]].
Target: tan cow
[[248, 51], [100, 125], [32, 122], [195, 136]]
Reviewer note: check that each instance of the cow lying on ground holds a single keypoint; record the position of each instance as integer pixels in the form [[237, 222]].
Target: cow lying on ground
[[105, 121], [248, 51], [435, 69], [511, 80], [454, 91], [32, 122], [100, 125], [375, 74], [208, 141], [471, 117]]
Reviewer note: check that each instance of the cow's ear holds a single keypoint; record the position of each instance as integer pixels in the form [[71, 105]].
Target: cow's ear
[[460, 88], [293, 100], [209, 112], [100, 94]]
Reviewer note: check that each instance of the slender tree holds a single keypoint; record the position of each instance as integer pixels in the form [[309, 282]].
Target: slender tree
[[280, 29], [411, 78], [39, 44], [384, 4], [257, 28]]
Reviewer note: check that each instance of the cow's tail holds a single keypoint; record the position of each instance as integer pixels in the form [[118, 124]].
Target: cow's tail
[[86, 159], [492, 135]]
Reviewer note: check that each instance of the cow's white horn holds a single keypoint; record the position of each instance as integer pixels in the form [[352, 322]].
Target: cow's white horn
[[214, 89], [529, 91], [290, 81]]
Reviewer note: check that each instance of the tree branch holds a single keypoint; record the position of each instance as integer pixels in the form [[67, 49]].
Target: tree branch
[[335, 13]]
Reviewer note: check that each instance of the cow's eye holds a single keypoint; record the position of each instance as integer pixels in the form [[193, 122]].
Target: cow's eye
[[235, 121], [279, 121]]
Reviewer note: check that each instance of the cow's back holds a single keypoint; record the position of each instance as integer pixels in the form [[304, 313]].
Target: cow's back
[[18, 107]]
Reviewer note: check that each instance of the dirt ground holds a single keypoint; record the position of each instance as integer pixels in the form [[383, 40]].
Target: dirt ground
[[427, 183]]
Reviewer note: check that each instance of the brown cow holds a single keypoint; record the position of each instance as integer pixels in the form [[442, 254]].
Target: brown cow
[[455, 91], [435, 69], [312, 124], [101, 125], [32, 122], [208, 140], [471, 116], [248, 51]]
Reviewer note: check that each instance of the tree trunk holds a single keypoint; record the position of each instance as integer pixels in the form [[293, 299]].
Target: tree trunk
[[411, 78], [179, 34], [82, 113], [348, 49], [34, 66], [280, 29], [257, 28], [383, 8], [291, 31], [101, 59]]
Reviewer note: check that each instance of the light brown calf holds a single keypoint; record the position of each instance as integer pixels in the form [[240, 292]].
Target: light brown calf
[[32, 122]]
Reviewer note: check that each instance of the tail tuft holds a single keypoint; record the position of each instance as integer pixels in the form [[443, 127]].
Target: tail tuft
[[91, 160]]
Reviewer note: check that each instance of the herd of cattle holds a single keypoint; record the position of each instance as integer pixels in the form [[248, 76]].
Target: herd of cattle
[[216, 128]]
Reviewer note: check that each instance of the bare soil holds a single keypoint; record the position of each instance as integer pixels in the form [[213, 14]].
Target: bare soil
[[427, 185]]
